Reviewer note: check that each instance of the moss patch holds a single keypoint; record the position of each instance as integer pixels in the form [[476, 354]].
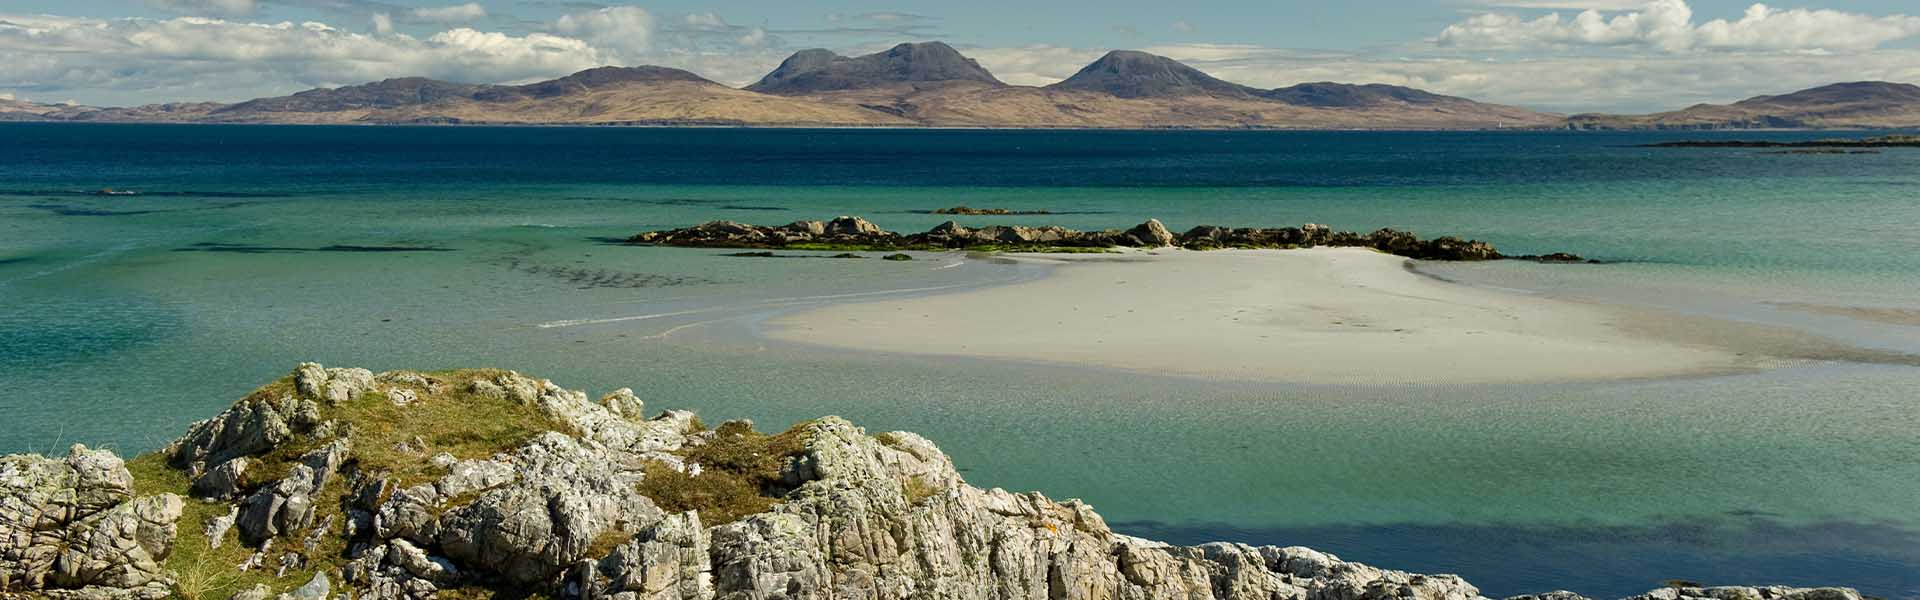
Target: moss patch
[[739, 474]]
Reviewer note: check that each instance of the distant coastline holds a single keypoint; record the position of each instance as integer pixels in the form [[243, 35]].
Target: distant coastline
[[930, 85]]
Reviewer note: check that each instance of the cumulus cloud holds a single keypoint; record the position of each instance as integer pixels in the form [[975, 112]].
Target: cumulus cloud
[[754, 38], [1668, 26], [224, 8], [1568, 4], [707, 21], [626, 28], [131, 61], [458, 13]]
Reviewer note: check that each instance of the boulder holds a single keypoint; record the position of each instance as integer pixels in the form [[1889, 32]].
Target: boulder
[[72, 527], [1151, 234], [853, 227]]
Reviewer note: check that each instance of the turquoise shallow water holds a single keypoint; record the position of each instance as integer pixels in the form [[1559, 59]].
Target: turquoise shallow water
[[252, 248]]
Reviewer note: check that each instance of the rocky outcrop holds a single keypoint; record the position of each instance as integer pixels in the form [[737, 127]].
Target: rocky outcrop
[[985, 212], [858, 233], [72, 527], [590, 509]]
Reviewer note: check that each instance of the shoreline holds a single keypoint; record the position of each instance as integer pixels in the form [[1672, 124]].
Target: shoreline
[[1313, 316]]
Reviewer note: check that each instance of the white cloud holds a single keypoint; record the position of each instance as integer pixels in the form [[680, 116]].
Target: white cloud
[[458, 13], [754, 38], [1569, 4], [1033, 65], [1182, 26], [223, 8], [382, 23], [134, 61], [708, 21], [6, 95], [626, 28], [1668, 26]]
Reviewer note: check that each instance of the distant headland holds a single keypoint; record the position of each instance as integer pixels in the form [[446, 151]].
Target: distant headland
[[931, 84]]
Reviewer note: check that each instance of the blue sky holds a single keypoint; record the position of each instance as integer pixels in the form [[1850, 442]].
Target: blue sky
[[1561, 55]]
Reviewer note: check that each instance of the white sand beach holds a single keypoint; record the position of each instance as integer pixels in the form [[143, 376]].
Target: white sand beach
[[1310, 316]]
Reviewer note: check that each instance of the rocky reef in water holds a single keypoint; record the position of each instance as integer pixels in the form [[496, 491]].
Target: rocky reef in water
[[343, 483], [1884, 141], [855, 233]]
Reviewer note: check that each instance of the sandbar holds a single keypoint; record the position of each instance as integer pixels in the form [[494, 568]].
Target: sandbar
[[1324, 315]]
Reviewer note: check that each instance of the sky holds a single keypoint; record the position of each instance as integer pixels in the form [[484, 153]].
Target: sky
[[1556, 55]]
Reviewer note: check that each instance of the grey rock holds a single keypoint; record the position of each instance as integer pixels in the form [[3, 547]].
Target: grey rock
[[853, 227], [318, 588], [216, 528], [72, 528], [287, 505], [222, 482], [1151, 234], [564, 497], [622, 402], [257, 592]]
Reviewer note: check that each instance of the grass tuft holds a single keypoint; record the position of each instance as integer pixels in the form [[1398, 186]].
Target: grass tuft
[[739, 474]]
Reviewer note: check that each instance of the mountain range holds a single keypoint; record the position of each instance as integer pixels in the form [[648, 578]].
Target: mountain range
[[933, 85]]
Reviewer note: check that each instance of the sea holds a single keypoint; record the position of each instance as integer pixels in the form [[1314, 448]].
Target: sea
[[246, 249]]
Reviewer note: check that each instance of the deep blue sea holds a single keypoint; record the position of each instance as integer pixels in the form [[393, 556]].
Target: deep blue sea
[[250, 248]]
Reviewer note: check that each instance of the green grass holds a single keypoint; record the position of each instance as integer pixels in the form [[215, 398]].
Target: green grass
[[918, 490], [740, 474]]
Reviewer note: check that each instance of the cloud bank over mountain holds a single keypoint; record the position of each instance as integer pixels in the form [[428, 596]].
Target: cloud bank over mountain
[[1560, 55]]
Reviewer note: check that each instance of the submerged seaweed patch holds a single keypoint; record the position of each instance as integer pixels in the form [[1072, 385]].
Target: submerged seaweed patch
[[521, 260], [142, 194], [589, 278], [75, 210]]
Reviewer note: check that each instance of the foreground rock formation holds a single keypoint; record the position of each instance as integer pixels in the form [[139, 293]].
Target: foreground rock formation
[[340, 483], [855, 233]]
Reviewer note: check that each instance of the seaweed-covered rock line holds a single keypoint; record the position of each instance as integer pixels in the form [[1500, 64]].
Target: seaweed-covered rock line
[[342, 483], [855, 233]]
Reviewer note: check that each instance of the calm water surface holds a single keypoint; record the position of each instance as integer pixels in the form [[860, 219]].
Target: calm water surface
[[251, 248]]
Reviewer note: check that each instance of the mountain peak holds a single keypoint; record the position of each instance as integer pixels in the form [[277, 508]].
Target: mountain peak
[[1326, 94], [1842, 93], [820, 70], [386, 93], [590, 79], [1135, 74]]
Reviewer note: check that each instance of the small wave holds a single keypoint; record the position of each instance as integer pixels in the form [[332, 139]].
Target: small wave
[[578, 322]]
